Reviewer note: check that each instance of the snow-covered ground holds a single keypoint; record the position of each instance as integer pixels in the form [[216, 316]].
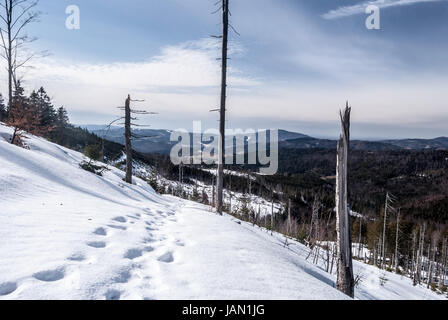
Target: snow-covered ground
[[70, 234]]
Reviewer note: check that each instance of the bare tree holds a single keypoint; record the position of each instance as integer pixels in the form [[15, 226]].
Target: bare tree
[[272, 211], [389, 199], [360, 239], [345, 279], [419, 256], [222, 120], [129, 135], [15, 16], [397, 234]]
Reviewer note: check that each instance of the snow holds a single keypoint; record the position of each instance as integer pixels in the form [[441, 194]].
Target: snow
[[70, 234], [237, 200]]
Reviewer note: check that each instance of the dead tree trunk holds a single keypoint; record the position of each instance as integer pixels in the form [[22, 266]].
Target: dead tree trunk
[[383, 244], [213, 193], [414, 258], [345, 279], [180, 180], [360, 239], [289, 217], [127, 129], [444, 262], [396, 241], [272, 211], [222, 121], [230, 194], [419, 256]]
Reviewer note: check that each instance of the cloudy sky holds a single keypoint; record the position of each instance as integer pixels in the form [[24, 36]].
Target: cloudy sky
[[293, 66]]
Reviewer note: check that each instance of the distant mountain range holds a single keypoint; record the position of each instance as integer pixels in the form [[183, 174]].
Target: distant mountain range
[[158, 141]]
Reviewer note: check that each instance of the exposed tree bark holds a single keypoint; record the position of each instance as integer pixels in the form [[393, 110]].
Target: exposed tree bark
[[230, 194], [180, 181], [419, 256], [272, 211], [213, 192], [127, 126], [222, 121], [383, 244], [414, 257], [444, 262], [360, 239], [396, 241], [289, 217], [345, 279]]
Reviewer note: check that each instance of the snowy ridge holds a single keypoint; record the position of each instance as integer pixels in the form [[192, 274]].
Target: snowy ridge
[[70, 234]]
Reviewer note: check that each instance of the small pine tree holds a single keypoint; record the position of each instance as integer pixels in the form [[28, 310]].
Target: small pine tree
[[93, 152], [62, 119]]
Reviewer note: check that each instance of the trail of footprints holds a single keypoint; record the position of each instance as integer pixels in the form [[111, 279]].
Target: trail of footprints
[[124, 275]]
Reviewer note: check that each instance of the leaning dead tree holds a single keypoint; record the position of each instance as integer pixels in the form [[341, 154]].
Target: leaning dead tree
[[15, 16], [128, 134], [345, 279]]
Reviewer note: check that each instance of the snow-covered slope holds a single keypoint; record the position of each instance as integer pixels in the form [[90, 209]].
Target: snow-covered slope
[[70, 234]]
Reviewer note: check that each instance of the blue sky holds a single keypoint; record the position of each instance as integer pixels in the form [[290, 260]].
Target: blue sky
[[294, 65]]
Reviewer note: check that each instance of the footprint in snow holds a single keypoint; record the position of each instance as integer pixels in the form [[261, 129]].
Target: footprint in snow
[[50, 275], [132, 254], [123, 276], [7, 288], [113, 295], [167, 258], [96, 244], [180, 243], [100, 232], [77, 257], [120, 219], [148, 240]]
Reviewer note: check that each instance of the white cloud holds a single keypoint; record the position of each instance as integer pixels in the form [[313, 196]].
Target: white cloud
[[360, 8], [182, 77], [189, 65]]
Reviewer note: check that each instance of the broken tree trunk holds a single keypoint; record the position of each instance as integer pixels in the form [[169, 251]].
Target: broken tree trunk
[[396, 242], [127, 125], [345, 279], [272, 211], [383, 245], [222, 121]]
